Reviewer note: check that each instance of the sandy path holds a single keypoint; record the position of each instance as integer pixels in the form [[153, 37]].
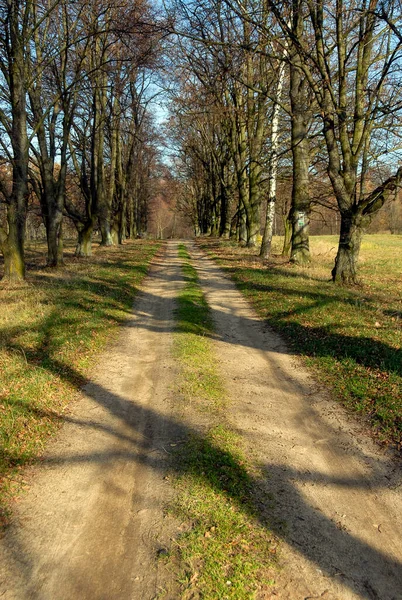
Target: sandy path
[[340, 496], [92, 523]]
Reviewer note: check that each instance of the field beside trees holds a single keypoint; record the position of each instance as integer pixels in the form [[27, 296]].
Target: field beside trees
[[351, 337]]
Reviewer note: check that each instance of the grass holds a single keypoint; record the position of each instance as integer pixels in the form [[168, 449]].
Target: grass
[[199, 377], [227, 552], [51, 330], [351, 337]]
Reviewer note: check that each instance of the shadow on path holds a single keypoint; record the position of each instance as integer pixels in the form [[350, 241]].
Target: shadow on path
[[141, 437], [336, 552]]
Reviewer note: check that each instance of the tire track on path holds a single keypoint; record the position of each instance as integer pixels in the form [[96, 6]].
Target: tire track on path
[[337, 496]]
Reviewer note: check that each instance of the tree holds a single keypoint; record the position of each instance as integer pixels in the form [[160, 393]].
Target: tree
[[54, 62], [301, 116], [106, 142], [16, 34], [351, 61], [227, 55]]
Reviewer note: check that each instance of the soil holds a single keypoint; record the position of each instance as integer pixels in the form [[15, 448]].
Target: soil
[[92, 524]]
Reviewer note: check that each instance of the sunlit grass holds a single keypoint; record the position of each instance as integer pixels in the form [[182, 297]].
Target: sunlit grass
[[226, 551]]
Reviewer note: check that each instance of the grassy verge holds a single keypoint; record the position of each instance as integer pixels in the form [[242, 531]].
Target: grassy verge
[[227, 552], [51, 329], [352, 337]]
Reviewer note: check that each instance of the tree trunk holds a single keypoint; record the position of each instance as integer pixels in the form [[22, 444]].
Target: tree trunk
[[300, 246], [103, 201], [265, 250], [352, 229], [233, 228], [273, 167], [253, 204], [248, 214], [353, 224], [225, 203], [300, 212], [106, 232], [12, 242], [121, 237], [54, 228], [84, 244], [242, 228], [12, 246], [243, 190], [224, 230], [253, 220], [287, 241]]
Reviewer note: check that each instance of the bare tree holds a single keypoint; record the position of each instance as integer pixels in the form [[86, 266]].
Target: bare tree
[[107, 142], [15, 36], [55, 62], [352, 63]]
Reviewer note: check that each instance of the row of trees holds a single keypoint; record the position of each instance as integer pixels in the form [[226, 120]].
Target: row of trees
[[297, 90], [75, 130], [302, 89]]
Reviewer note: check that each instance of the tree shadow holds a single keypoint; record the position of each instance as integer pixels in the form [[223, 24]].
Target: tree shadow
[[145, 433], [320, 341]]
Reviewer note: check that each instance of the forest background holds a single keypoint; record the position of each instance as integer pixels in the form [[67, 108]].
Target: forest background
[[279, 117]]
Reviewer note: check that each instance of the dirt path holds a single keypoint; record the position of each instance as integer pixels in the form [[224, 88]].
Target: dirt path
[[92, 525], [339, 495]]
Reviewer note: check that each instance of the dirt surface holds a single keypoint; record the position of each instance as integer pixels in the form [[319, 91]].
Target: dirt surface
[[91, 525]]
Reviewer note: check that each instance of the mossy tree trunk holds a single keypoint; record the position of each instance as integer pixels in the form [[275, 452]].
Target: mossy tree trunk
[[345, 269], [84, 243], [12, 246]]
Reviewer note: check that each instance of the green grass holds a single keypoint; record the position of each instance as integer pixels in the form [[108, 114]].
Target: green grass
[[227, 551], [199, 377], [351, 337], [51, 330]]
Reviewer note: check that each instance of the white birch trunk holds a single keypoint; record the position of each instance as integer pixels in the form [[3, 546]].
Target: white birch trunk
[[273, 166]]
